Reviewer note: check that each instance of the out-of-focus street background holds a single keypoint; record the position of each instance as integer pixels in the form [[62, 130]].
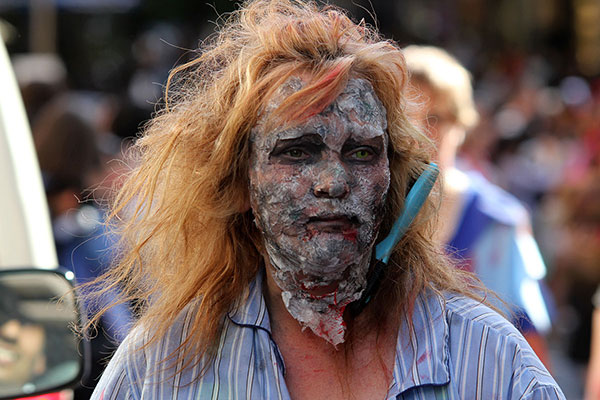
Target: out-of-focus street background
[[92, 71]]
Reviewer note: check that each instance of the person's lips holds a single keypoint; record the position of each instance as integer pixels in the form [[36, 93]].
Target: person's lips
[[332, 223], [344, 225]]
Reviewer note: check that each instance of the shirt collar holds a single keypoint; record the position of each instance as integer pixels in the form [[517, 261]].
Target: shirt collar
[[422, 350], [252, 312]]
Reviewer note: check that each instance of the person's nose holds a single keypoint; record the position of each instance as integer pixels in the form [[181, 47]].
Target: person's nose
[[333, 181], [10, 330]]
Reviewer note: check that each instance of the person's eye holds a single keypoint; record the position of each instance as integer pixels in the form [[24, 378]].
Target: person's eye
[[362, 154], [298, 151], [295, 153]]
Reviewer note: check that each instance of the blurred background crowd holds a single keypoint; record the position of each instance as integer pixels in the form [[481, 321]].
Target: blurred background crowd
[[92, 72]]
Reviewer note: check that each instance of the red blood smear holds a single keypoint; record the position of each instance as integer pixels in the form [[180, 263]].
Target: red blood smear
[[350, 235], [322, 330], [309, 235], [423, 357]]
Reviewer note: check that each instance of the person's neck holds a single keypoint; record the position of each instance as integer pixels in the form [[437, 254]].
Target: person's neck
[[361, 367], [282, 322]]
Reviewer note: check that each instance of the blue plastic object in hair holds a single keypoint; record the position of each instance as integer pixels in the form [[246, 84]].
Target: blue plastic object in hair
[[414, 201]]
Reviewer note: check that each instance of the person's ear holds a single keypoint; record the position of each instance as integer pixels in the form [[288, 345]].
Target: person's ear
[[245, 206], [244, 203]]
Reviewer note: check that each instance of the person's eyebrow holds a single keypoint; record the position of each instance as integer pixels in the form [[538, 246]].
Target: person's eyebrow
[[311, 139], [375, 142]]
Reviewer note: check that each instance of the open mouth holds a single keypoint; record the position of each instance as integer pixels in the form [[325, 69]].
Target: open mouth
[[7, 356]]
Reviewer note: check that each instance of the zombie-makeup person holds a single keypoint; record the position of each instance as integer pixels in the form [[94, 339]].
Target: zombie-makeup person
[[317, 191]]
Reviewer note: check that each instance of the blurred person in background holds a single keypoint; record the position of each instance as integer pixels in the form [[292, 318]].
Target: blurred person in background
[[576, 209], [69, 156], [34, 351], [41, 77], [118, 123], [22, 345], [485, 228], [568, 226]]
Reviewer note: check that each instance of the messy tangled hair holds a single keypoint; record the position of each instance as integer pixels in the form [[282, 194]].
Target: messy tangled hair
[[186, 232]]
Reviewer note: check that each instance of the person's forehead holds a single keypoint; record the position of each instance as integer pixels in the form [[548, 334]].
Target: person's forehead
[[357, 104], [359, 101]]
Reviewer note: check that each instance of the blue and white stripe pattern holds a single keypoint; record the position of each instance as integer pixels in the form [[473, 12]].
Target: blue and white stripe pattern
[[456, 349]]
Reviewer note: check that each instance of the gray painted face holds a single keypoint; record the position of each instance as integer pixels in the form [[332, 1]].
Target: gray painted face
[[317, 191]]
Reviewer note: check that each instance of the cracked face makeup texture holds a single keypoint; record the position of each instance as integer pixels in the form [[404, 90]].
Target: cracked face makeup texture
[[317, 191]]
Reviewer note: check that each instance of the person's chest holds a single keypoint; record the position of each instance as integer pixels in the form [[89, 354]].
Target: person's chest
[[363, 372], [315, 381]]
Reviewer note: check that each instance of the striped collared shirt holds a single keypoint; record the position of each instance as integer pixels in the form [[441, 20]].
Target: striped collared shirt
[[458, 349]]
